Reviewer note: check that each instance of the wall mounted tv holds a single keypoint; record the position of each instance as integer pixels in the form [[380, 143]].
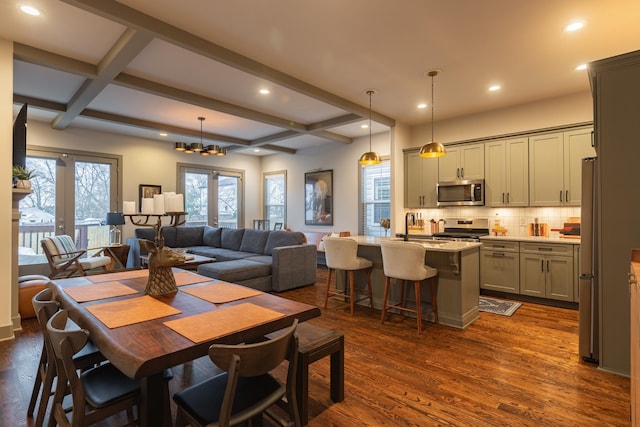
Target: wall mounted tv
[[20, 137]]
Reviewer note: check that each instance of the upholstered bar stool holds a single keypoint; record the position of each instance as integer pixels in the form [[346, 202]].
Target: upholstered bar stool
[[404, 261], [342, 254]]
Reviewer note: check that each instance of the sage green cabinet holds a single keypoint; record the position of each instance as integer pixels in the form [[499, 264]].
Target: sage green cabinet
[[420, 179], [500, 266], [547, 271], [462, 162], [507, 173], [555, 166]]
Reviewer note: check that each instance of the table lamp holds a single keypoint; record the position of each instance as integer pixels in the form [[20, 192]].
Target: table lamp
[[114, 219]]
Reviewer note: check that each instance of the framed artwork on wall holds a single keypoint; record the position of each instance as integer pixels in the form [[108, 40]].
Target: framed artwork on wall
[[146, 191], [318, 198]]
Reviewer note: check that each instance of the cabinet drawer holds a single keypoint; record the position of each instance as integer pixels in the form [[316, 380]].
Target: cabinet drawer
[[546, 248], [503, 246]]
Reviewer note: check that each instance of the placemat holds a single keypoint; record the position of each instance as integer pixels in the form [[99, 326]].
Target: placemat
[[99, 291], [221, 292], [189, 278], [121, 275], [217, 323], [133, 310]]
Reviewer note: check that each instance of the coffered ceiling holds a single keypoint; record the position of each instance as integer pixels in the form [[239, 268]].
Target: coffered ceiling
[[146, 67]]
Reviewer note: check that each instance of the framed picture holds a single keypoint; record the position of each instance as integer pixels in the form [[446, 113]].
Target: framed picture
[[146, 191], [318, 198]]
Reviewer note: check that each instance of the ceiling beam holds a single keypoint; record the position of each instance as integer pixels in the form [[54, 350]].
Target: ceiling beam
[[130, 17], [43, 58]]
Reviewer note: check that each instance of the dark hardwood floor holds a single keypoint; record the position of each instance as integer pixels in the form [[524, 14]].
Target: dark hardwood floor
[[520, 370]]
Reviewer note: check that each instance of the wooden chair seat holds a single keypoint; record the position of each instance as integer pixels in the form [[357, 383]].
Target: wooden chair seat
[[66, 260]]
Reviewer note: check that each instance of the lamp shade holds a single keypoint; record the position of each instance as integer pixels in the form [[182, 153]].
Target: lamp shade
[[115, 218], [432, 149], [370, 158]]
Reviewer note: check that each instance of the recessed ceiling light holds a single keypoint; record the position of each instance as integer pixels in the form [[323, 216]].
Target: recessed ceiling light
[[163, 134], [422, 106], [256, 150], [574, 26], [581, 67], [264, 91], [494, 88], [30, 10], [364, 126]]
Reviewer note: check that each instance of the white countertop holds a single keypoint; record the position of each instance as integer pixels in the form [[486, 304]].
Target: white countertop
[[533, 239], [430, 245]]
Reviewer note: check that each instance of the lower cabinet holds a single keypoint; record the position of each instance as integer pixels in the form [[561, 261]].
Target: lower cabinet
[[500, 266], [546, 271]]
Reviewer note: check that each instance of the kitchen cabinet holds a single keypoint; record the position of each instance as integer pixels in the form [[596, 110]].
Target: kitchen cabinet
[[500, 266], [547, 270], [462, 162], [507, 173], [576, 273], [555, 167], [420, 179]]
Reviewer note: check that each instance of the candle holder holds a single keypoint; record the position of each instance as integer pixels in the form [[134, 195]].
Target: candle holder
[[161, 260]]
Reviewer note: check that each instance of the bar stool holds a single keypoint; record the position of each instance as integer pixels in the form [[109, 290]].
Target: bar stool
[[405, 261], [342, 254]]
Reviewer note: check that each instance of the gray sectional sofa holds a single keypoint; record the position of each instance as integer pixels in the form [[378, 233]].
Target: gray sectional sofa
[[267, 260]]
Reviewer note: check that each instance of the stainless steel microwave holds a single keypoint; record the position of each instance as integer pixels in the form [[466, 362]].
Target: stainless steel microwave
[[461, 193]]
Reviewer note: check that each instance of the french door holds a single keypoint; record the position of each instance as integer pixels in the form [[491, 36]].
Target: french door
[[212, 196], [71, 194]]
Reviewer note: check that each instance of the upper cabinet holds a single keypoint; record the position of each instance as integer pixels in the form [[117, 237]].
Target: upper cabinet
[[462, 162], [555, 166], [507, 173], [421, 177]]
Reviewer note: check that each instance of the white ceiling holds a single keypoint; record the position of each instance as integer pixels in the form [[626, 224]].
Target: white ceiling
[[140, 67]]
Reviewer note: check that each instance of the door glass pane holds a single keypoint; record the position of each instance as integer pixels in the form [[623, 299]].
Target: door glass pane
[[375, 189], [275, 196], [92, 202], [227, 192], [196, 193], [38, 211]]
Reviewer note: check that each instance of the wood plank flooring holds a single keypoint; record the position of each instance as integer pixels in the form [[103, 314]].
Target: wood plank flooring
[[522, 370]]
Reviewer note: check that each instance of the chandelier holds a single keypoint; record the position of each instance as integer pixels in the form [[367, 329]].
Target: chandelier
[[198, 147]]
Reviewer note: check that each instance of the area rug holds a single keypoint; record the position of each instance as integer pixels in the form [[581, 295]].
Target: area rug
[[497, 306]]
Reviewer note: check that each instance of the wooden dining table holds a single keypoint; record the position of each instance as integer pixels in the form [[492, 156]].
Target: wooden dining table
[[143, 335]]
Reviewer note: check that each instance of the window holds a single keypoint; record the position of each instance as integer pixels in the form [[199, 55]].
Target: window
[[212, 196], [275, 197], [375, 198]]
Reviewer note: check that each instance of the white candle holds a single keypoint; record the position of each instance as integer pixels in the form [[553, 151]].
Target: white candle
[[147, 206], [158, 204], [167, 200], [129, 208], [174, 203]]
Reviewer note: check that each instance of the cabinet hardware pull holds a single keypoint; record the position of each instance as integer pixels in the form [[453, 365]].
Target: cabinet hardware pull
[[461, 172], [560, 195], [502, 197], [542, 265], [457, 172], [548, 266], [566, 196], [545, 249], [499, 254], [499, 246], [508, 198]]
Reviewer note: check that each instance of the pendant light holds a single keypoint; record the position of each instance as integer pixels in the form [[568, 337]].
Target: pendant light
[[370, 157], [433, 148]]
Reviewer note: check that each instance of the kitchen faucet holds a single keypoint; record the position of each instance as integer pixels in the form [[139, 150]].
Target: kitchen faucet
[[406, 224]]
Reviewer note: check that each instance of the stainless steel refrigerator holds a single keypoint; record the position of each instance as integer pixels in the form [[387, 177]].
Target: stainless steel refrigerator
[[588, 289]]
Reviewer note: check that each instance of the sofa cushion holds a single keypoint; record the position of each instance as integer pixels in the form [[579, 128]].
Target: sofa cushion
[[235, 271], [254, 240], [262, 259], [189, 236], [211, 236], [279, 238], [145, 233], [231, 238]]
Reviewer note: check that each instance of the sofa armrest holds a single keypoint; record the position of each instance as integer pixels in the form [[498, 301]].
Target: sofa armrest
[[293, 266]]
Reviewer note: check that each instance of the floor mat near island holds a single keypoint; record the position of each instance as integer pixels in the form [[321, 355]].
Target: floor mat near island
[[497, 306]]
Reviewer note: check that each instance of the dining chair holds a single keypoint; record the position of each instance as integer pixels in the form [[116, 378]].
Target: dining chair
[[89, 356], [405, 261], [245, 390], [97, 393], [341, 253], [66, 260]]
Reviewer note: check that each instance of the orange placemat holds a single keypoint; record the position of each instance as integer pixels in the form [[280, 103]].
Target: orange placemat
[[221, 292], [217, 323], [133, 310], [121, 275], [188, 278], [99, 291]]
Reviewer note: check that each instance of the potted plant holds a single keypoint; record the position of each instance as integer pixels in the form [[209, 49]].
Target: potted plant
[[22, 177]]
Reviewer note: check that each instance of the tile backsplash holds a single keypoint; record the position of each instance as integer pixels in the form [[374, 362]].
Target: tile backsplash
[[515, 220]]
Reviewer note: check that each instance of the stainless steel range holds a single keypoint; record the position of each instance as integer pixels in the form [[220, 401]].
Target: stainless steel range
[[464, 229]]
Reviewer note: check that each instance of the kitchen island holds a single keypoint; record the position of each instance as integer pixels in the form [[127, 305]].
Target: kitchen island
[[458, 265]]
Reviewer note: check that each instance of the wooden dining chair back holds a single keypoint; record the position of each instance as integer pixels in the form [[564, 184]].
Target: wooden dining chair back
[[246, 389], [341, 253], [66, 260], [97, 393], [405, 261]]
